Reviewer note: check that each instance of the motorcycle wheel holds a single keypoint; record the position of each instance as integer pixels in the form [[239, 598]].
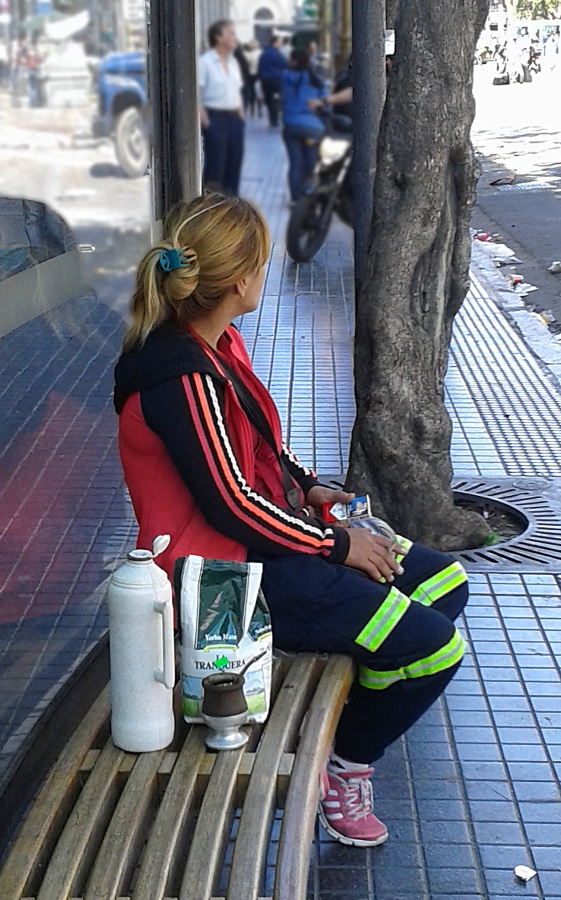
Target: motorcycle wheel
[[131, 143], [307, 227]]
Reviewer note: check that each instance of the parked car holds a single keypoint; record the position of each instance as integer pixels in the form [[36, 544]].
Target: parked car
[[122, 105]]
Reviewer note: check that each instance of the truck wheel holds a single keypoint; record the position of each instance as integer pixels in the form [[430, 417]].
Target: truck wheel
[[131, 142]]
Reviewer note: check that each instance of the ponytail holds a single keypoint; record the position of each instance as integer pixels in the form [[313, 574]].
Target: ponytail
[[209, 244]]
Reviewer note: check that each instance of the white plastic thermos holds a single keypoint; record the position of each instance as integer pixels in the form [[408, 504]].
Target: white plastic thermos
[[141, 652]]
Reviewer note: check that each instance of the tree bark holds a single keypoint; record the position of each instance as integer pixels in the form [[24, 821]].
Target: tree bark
[[417, 274]]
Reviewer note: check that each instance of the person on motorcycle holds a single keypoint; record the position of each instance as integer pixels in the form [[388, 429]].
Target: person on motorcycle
[[302, 128]]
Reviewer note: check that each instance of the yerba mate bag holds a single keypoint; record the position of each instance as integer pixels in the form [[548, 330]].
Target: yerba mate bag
[[224, 623]]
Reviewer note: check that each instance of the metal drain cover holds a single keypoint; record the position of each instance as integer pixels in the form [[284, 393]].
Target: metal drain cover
[[536, 502]]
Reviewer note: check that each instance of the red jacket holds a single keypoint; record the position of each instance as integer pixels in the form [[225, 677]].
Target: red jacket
[[194, 464]]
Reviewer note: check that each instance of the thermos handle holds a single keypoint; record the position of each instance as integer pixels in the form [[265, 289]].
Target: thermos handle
[[167, 676]]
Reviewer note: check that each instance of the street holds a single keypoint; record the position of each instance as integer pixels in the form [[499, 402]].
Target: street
[[517, 135], [47, 155]]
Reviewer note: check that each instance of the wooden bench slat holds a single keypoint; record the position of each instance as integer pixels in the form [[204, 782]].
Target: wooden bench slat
[[169, 825], [164, 834], [83, 831], [213, 828], [297, 829], [47, 814], [260, 799], [126, 830]]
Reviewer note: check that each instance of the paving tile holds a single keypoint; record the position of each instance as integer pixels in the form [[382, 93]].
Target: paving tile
[[469, 752], [457, 856], [532, 752], [483, 771], [394, 854], [440, 810], [334, 854], [448, 896], [503, 882], [465, 881], [350, 880], [403, 881], [455, 832], [498, 833], [347, 895], [493, 811], [550, 884], [544, 835], [544, 813], [536, 791], [509, 703], [496, 856], [489, 790], [547, 858]]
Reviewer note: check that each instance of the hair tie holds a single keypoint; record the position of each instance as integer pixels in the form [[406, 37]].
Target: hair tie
[[168, 260]]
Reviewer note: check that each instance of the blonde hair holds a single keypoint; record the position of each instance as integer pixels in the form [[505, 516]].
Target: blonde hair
[[221, 240]]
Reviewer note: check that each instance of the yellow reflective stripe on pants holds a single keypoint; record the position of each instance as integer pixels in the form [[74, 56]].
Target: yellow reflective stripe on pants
[[405, 545], [440, 584], [383, 621], [438, 661]]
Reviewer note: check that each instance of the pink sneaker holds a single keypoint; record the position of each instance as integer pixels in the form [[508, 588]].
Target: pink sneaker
[[346, 811]]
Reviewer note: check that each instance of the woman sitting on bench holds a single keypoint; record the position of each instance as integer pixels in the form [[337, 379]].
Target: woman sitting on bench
[[202, 452]]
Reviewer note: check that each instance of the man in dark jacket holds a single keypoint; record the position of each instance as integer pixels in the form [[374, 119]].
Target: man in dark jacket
[[272, 64]]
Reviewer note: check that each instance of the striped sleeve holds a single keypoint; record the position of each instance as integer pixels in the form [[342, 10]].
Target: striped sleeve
[[302, 475], [187, 414]]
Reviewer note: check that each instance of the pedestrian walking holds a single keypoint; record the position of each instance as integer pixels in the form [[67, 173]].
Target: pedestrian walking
[[221, 110], [240, 56], [201, 447], [286, 46], [302, 128], [253, 55], [272, 64], [4, 64]]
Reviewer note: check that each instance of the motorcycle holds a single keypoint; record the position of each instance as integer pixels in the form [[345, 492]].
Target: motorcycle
[[533, 64], [483, 55], [329, 190]]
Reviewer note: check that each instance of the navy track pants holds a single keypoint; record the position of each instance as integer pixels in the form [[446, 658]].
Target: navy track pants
[[401, 636]]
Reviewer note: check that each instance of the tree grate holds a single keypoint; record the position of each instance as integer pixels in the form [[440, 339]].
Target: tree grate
[[537, 506]]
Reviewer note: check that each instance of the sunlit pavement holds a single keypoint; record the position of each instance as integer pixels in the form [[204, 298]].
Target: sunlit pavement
[[473, 789], [506, 112]]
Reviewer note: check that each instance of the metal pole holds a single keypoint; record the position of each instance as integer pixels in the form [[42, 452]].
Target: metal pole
[[172, 79], [369, 87], [345, 33]]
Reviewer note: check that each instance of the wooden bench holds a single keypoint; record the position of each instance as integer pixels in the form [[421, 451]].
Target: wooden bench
[[184, 823]]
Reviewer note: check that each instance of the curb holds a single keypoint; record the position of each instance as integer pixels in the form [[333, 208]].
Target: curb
[[539, 340]]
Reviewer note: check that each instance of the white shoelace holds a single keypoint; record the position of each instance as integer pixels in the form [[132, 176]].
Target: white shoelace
[[357, 798]]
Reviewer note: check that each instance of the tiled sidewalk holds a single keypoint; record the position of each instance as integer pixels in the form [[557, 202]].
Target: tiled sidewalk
[[474, 788]]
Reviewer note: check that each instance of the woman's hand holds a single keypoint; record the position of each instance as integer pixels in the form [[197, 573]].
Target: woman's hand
[[372, 554], [318, 495]]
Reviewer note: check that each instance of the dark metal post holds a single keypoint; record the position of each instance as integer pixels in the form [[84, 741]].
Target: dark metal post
[[345, 33], [172, 79], [369, 85]]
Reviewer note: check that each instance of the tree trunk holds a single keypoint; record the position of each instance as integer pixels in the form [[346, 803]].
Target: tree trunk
[[417, 275]]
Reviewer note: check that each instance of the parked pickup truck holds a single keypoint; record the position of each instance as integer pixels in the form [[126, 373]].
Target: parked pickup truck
[[122, 105]]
